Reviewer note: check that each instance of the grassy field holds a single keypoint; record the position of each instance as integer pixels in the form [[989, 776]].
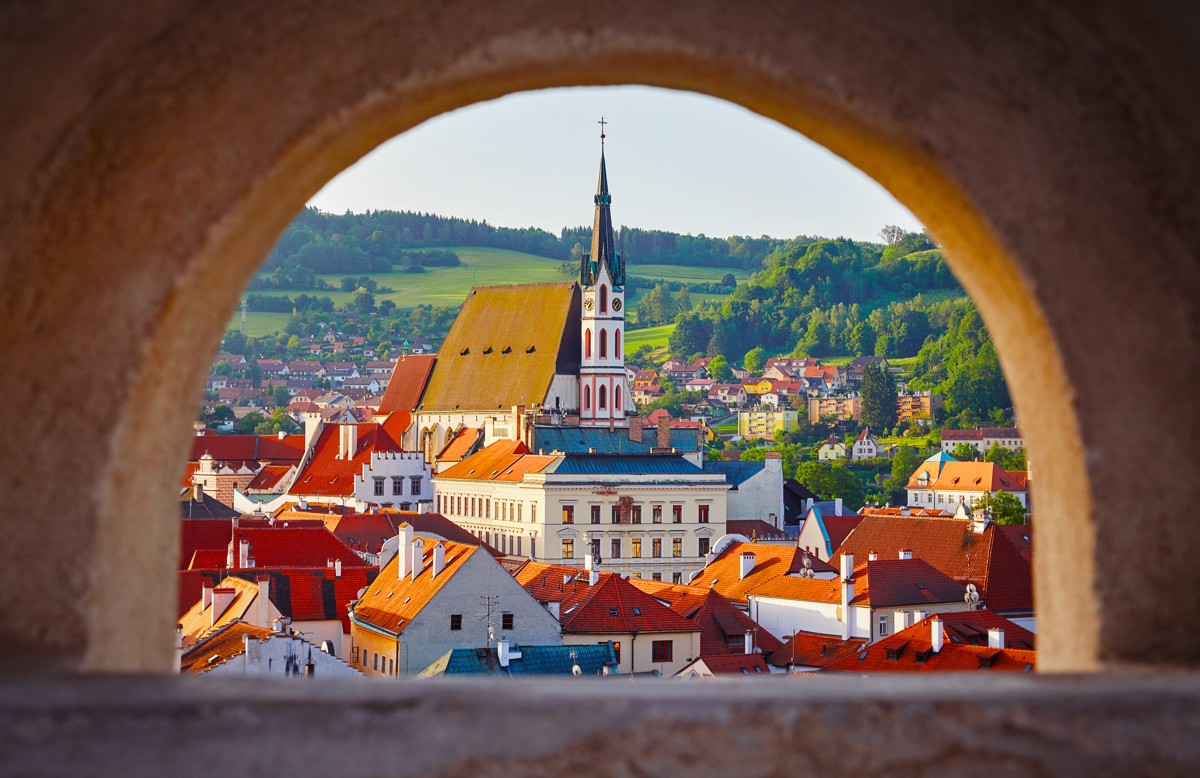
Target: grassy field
[[685, 273], [260, 324], [655, 337]]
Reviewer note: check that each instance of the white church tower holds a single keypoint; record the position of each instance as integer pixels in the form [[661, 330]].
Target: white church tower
[[603, 394]]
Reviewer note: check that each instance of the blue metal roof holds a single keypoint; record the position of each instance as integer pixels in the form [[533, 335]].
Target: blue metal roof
[[645, 464], [534, 660], [581, 440], [735, 473]]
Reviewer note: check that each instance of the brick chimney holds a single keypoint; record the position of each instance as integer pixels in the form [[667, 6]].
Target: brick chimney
[[635, 428], [664, 432]]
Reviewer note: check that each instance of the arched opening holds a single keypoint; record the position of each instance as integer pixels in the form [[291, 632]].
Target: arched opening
[[603, 343], [603, 299], [981, 192], [587, 397], [617, 344], [587, 343], [603, 394], [617, 397]]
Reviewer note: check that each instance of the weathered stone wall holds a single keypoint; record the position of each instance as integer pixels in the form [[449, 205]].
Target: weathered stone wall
[[153, 152]]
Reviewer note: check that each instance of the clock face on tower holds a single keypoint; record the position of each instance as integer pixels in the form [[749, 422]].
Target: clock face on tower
[[616, 303], [589, 303]]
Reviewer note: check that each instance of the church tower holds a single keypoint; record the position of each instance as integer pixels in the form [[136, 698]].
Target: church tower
[[603, 394]]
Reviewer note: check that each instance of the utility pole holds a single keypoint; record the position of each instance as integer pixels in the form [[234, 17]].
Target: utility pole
[[489, 601]]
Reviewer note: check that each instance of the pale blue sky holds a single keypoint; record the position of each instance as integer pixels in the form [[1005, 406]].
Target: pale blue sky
[[676, 161]]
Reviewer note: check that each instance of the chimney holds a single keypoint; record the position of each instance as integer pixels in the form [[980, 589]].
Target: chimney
[[205, 596], [418, 557], [996, 637], [178, 648], [504, 653], [871, 557], [936, 635], [555, 609], [312, 428], [837, 507], [439, 559], [980, 521], [748, 647], [337, 568], [747, 564], [664, 431], [222, 599], [906, 553], [198, 492], [262, 603], [847, 593], [348, 441], [282, 434], [808, 504], [635, 428], [589, 564], [243, 553], [404, 554], [902, 620], [919, 615], [281, 625]]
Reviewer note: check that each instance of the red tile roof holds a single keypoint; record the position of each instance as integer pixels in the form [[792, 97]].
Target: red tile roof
[[888, 583], [910, 650], [770, 562], [810, 649], [1021, 537], [753, 528], [720, 621], [406, 385], [504, 460], [989, 560], [612, 606], [222, 645], [839, 527], [269, 477], [307, 546], [460, 444], [970, 477], [328, 475], [734, 664], [249, 449]]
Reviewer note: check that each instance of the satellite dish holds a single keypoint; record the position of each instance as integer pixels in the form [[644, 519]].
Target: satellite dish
[[576, 670], [972, 596]]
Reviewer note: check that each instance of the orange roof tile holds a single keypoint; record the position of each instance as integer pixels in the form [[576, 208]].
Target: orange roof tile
[[504, 460], [911, 650], [720, 621], [771, 561], [392, 602], [460, 444], [970, 477], [220, 646], [198, 622]]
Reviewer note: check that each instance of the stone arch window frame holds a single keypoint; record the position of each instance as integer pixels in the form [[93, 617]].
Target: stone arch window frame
[[1067, 481]]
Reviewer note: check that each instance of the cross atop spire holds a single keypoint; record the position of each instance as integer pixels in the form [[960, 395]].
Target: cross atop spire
[[602, 123]]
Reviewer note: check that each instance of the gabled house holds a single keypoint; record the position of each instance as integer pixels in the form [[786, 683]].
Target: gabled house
[[737, 566], [866, 446], [871, 600], [725, 630], [804, 652], [433, 597], [826, 525], [243, 649], [833, 448], [594, 607], [943, 483]]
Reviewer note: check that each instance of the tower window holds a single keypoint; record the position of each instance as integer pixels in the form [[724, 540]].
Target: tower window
[[603, 397], [617, 397], [603, 343], [617, 344], [587, 397], [587, 343], [603, 299]]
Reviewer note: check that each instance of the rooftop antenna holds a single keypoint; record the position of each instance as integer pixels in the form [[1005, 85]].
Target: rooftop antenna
[[243, 315]]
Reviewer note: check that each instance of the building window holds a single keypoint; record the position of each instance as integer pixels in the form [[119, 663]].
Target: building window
[[397, 486], [617, 389], [379, 487], [662, 651], [676, 514], [518, 545], [603, 343], [375, 661], [656, 514], [595, 514], [703, 514], [568, 516], [635, 548], [677, 578], [595, 546], [656, 576], [616, 514], [587, 344], [637, 514], [506, 621], [616, 549], [455, 622], [656, 548], [617, 348], [587, 397], [704, 546], [416, 485], [677, 547], [568, 548], [617, 650], [883, 625], [603, 393], [603, 298], [391, 667]]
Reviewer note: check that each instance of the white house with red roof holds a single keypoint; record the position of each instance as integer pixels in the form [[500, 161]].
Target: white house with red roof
[[357, 466], [942, 482]]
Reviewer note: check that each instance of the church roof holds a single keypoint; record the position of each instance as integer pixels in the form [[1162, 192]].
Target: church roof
[[505, 347]]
